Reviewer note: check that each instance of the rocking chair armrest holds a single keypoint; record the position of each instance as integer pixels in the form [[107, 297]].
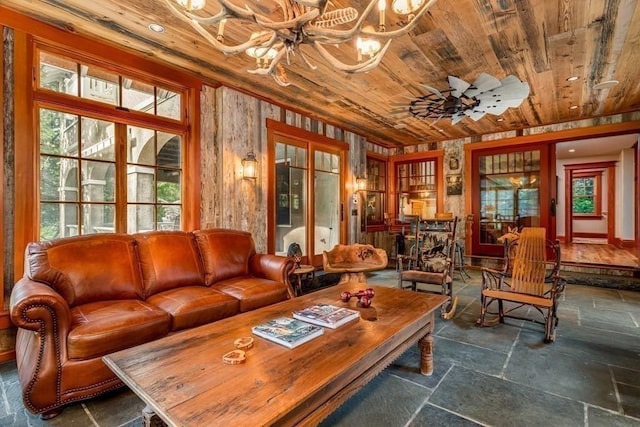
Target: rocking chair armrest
[[402, 258], [493, 279]]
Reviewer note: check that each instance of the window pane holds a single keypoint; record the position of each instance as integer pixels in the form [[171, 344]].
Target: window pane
[[169, 186], [140, 218], [98, 182], [169, 104], [169, 150], [141, 145], [99, 84], [58, 74], [58, 179], [138, 96], [98, 218], [98, 139], [140, 184], [58, 132], [168, 217]]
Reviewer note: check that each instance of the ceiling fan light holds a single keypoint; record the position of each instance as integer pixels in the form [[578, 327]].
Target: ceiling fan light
[[405, 7], [192, 4]]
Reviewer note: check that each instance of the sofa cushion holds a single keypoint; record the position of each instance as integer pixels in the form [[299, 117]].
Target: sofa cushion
[[191, 306], [253, 292], [225, 253], [101, 328], [85, 269], [169, 259]]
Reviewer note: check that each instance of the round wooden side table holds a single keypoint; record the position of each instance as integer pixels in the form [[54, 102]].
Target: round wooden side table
[[304, 272]]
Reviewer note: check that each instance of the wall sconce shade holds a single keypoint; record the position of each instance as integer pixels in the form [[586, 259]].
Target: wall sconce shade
[[361, 184], [250, 166]]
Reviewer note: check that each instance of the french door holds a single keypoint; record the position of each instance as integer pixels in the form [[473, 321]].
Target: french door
[[512, 188], [306, 196]]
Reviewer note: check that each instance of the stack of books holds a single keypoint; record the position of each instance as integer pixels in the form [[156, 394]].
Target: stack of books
[[305, 325]]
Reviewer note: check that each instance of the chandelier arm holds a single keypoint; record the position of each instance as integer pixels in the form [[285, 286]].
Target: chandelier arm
[[267, 39], [297, 22], [228, 10], [404, 30], [272, 69], [362, 67], [307, 61], [338, 36]]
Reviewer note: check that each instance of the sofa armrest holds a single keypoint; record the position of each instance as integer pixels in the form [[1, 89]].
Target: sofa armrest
[[38, 307], [273, 267]]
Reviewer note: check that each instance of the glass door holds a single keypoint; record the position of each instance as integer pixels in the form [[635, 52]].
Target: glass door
[[307, 198], [512, 191]]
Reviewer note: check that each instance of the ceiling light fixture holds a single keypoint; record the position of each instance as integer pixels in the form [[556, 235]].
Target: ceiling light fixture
[[607, 84], [157, 28], [573, 107], [572, 78], [315, 23]]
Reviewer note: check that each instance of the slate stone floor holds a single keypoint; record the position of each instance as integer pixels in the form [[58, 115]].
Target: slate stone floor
[[503, 375]]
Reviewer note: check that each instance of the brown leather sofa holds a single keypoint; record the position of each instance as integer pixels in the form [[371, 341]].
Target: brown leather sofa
[[87, 296]]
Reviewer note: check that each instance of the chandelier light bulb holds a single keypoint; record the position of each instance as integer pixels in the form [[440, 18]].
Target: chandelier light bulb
[[405, 7], [192, 4]]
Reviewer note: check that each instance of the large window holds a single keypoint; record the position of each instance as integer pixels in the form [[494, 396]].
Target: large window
[[98, 171], [585, 191], [417, 187]]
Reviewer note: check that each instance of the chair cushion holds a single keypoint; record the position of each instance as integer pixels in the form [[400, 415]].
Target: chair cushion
[[194, 306], [434, 262], [103, 327], [253, 292]]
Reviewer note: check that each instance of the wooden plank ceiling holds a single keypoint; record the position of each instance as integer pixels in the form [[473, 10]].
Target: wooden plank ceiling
[[542, 42]]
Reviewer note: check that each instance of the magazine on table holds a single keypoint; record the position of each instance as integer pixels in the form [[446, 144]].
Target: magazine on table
[[287, 331], [326, 315]]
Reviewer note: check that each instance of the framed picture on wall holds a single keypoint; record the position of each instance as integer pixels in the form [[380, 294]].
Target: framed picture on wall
[[454, 185]]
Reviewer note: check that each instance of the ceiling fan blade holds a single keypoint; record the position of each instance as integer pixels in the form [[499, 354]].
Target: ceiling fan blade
[[433, 90], [436, 120], [483, 83], [458, 86], [509, 95], [457, 117], [475, 114]]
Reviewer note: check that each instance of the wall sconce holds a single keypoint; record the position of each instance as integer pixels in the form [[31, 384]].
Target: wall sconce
[[250, 166], [361, 184]]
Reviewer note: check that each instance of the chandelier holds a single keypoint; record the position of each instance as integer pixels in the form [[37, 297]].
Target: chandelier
[[318, 24]]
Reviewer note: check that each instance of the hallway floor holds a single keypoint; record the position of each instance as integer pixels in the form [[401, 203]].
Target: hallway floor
[[495, 376]]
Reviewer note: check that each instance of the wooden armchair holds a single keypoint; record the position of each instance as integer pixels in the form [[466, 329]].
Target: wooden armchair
[[430, 268], [528, 278]]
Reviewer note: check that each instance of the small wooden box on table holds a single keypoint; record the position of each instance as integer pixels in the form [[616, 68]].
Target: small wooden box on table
[[183, 380]]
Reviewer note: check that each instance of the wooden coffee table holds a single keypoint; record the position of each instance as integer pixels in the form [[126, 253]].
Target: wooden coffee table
[[182, 378]]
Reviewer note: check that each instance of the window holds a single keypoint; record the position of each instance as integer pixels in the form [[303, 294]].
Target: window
[[585, 193], [87, 183], [376, 200], [417, 187]]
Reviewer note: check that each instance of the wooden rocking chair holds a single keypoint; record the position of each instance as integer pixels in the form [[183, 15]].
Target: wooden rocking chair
[[432, 263], [527, 278]]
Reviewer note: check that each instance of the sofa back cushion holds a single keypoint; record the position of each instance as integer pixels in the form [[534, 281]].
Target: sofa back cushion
[[169, 259], [225, 253], [86, 269]]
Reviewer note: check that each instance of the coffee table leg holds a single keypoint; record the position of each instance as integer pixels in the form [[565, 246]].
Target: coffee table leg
[[151, 419], [426, 350]]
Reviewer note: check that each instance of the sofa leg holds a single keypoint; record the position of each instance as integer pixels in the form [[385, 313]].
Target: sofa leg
[[50, 414]]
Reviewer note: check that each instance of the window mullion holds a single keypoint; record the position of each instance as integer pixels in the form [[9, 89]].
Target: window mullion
[[121, 178]]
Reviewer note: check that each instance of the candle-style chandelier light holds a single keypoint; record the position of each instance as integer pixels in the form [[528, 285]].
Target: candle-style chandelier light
[[318, 24]]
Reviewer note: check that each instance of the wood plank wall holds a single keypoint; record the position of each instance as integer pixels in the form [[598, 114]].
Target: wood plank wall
[[234, 123]]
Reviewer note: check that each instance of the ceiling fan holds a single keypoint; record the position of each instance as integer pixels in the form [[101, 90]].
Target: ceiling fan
[[487, 94]]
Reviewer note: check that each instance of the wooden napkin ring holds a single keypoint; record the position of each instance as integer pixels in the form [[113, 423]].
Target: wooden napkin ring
[[234, 357], [244, 343]]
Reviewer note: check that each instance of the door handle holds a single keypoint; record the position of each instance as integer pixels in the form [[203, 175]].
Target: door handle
[[553, 207]]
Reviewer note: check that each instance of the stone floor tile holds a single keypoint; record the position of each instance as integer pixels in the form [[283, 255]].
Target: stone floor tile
[[627, 376], [597, 417], [493, 401], [431, 415], [630, 399], [387, 401]]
